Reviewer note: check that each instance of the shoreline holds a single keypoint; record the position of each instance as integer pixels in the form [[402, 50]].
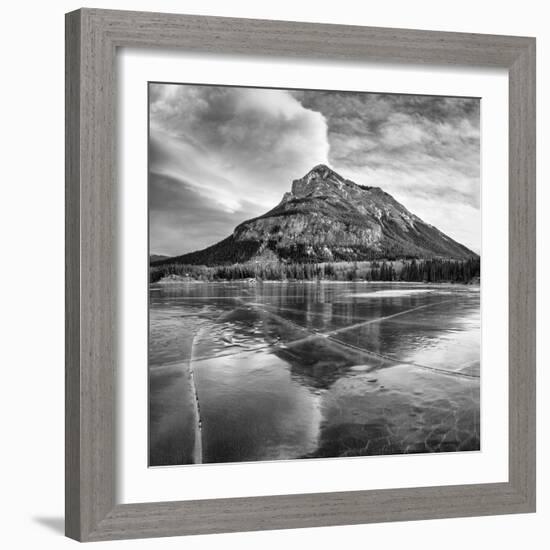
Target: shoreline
[[252, 282]]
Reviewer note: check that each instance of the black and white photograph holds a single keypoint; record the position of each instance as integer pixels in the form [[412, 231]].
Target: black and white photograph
[[314, 274]]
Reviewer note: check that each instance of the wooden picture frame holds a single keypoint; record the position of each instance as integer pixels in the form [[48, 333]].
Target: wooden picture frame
[[92, 39]]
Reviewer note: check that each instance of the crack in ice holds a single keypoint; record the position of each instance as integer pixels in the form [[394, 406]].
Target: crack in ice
[[197, 450], [329, 336]]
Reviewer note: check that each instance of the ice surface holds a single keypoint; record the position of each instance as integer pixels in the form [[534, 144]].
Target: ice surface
[[244, 372]]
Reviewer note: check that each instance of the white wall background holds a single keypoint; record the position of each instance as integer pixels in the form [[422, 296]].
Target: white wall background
[[31, 233]]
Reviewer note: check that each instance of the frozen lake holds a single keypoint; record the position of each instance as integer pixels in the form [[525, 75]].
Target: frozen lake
[[242, 372]]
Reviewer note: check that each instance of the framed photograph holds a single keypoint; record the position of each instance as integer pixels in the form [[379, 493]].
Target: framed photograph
[[300, 275]]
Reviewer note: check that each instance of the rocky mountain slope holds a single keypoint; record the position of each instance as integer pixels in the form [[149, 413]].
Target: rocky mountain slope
[[328, 218]]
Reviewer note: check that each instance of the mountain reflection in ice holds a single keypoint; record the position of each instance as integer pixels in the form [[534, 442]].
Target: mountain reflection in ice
[[242, 372]]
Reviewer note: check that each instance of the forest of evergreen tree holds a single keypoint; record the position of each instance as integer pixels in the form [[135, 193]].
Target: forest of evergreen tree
[[430, 271]]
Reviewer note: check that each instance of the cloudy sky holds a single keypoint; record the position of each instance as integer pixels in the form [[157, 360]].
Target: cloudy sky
[[221, 155]]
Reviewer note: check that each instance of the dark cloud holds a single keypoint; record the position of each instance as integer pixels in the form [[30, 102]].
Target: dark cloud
[[182, 220], [380, 130]]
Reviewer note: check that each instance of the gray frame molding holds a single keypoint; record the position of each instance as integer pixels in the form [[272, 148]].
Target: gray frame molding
[[92, 38]]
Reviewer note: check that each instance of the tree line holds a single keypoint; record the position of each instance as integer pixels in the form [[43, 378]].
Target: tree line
[[431, 271]]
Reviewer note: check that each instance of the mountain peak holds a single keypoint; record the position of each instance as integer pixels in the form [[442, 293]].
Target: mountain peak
[[319, 178], [322, 171]]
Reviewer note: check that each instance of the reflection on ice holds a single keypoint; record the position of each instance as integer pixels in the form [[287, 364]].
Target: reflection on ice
[[296, 370], [390, 293]]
